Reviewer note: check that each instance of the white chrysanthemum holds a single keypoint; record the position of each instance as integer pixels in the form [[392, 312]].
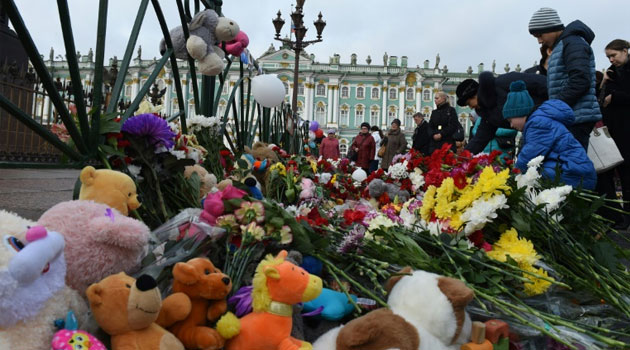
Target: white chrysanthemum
[[398, 171], [380, 221], [529, 179], [482, 212], [178, 154], [409, 218], [199, 122], [417, 179], [535, 162], [324, 178], [552, 197]]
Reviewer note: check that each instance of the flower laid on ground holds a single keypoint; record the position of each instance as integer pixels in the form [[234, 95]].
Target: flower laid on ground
[[398, 171], [198, 123], [523, 252], [249, 212], [154, 128], [279, 168]]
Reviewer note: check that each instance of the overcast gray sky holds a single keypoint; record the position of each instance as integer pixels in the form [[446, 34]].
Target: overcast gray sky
[[463, 32]]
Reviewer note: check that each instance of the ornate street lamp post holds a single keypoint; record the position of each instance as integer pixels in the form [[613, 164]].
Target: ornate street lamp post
[[297, 46]]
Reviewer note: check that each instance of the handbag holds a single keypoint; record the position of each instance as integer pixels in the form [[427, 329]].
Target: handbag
[[506, 141], [459, 135], [381, 151], [603, 151]]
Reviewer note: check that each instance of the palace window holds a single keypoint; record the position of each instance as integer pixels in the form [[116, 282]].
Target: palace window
[[301, 89], [360, 92], [375, 93], [320, 114], [451, 100], [392, 94], [286, 87], [391, 115], [321, 90], [426, 95], [344, 92], [343, 117], [409, 120], [410, 96], [374, 117], [358, 117], [343, 149], [128, 91]]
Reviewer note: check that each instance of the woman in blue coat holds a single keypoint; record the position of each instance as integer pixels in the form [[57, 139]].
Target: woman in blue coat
[[545, 133]]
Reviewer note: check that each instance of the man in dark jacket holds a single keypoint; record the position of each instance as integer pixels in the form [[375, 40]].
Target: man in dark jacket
[[421, 137], [571, 71], [487, 99], [443, 123]]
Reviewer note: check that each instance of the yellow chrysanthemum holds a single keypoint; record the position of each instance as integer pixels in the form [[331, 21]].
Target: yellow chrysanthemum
[[456, 221], [492, 183], [427, 203], [444, 195], [519, 249], [280, 168], [537, 285], [334, 179], [469, 194]]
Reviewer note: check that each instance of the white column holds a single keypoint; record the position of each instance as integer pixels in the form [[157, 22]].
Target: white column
[[135, 81], [384, 96], [418, 98], [401, 104], [331, 92], [307, 100], [167, 96], [335, 114]]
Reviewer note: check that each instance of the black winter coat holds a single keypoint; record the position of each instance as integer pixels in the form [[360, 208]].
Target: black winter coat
[[444, 122], [617, 114], [421, 138], [491, 97]]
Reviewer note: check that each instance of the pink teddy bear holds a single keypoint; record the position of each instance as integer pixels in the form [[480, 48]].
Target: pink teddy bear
[[235, 47]]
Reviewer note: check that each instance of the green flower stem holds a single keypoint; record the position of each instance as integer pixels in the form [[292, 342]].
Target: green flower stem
[[508, 309], [560, 321], [358, 285], [344, 290]]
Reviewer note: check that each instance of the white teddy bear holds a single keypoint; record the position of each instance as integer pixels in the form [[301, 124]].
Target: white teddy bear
[[33, 293]]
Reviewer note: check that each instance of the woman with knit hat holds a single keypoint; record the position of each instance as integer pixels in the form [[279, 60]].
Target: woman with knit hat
[[545, 133], [329, 148], [365, 147]]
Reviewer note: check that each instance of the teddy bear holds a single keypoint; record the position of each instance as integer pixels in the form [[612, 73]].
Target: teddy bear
[[236, 46], [114, 188], [208, 180], [378, 187], [100, 240], [206, 29], [126, 309], [436, 319], [33, 294], [206, 288]]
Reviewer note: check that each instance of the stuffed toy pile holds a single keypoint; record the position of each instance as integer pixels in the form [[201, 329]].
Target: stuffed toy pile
[[435, 319], [33, 293], [206, 30]]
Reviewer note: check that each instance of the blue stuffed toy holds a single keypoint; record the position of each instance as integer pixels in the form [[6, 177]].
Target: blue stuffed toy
[[335, 305]]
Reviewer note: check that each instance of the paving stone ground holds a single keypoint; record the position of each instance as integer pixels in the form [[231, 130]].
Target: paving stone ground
[[30, 192]]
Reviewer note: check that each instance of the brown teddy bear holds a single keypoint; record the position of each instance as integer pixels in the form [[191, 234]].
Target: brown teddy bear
[[208, 180], [127, 308], [114, 188], [206, 288]]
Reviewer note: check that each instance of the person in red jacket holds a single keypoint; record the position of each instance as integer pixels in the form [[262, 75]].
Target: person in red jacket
[[329, 148], [365, 146]]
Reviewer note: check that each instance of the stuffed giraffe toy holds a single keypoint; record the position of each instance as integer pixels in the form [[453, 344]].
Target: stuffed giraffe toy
[[277, 285]]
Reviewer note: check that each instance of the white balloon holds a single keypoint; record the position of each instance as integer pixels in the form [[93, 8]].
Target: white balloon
[[268, 90], [359, 175]]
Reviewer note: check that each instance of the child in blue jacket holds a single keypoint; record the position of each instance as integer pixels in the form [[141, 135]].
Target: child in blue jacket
[[545, 133]]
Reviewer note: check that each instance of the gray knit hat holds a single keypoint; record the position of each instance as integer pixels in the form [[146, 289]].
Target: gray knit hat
[[545, 20]]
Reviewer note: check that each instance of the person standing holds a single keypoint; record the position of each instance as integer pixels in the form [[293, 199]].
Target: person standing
[[616, 111], [396, 144], [365, 147], [571, 71], [443, 123], [377, 135], [541, 67], [329, 148], [421, 137]]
